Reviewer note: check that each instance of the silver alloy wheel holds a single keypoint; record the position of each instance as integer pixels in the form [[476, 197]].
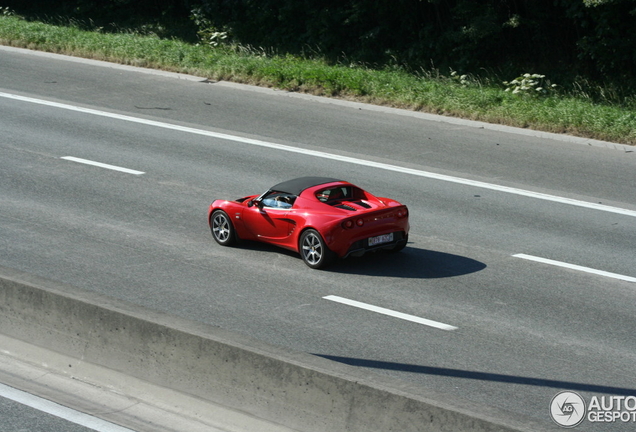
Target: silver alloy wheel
[[221, 227], [312, 249]]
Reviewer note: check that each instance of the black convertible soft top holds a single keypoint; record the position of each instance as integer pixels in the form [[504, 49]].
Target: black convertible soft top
[[296, 186]]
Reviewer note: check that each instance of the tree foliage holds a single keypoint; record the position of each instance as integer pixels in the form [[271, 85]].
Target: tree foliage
[[166, 18], [591, 38], [595, 37]]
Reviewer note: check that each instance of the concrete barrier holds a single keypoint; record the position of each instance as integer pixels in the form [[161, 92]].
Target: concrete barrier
[[301, 391]]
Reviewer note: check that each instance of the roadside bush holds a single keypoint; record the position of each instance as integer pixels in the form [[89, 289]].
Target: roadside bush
[[531, 85]]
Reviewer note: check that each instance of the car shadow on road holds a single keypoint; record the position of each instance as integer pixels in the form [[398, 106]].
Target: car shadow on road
[[411, 262], [482, 376]]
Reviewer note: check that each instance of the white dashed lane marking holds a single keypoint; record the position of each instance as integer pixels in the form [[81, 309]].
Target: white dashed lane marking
[[575, 267], [391, 313], [102, 165]]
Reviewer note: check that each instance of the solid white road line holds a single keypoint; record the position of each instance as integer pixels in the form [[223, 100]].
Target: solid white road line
[[390, 312], [331, 156], [102, 165], [60, 411], [575, 267]]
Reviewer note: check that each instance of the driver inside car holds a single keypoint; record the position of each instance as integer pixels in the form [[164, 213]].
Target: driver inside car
[[278, 201]]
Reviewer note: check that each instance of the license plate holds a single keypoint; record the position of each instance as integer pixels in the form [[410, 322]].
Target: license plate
[[384, 238]]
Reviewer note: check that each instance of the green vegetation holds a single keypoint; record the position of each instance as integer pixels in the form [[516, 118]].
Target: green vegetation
[[535, 103]]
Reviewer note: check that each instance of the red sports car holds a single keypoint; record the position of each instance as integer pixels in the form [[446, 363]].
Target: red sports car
[[320, 218]]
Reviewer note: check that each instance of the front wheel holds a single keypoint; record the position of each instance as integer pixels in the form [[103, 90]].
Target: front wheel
[[222, 228], [313, 250]]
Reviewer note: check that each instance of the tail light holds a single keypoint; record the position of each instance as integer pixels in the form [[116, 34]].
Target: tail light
[[349, 223]]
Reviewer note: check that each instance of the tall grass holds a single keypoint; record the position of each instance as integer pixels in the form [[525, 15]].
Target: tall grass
[[485, 100]]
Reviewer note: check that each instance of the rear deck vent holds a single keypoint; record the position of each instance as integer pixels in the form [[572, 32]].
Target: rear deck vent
[[346, 207], [362, 204]]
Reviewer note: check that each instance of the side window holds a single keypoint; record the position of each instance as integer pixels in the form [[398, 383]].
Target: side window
[[279, 200], [333, 194]]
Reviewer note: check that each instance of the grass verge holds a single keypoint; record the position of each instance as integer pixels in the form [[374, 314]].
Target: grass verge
[[447, 95]]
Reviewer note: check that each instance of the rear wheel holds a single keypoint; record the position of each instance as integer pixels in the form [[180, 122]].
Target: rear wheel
[[313, 250], [222, 228]]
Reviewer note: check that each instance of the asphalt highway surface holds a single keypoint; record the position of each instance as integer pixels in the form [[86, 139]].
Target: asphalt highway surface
[[522, 245]]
